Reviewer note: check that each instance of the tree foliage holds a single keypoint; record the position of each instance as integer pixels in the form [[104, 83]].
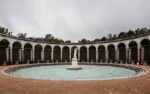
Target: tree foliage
[[5, 31], [84, 41], [22, 35], [122, 35]]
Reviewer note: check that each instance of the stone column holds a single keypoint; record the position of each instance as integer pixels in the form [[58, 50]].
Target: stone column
[[7, 54], [20, 56], [42, 55], [107, 55], [61, 50], [138, 56], [52, 54], [33, 55], [78, 54], [70, 54], [117, 55], [142, 55], [96, 54], [87, 55], [129, 51], [11, 58]]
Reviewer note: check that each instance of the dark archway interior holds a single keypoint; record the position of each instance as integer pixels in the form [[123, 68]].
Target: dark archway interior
[[15, 52], [27, 52], [47, 53], [57, 54], [92, 54], [133, 47], [3, 45], [122, 51], [146, 44], [111, 52], [37, 52], [101, 53], [83, 54], [66, 54]]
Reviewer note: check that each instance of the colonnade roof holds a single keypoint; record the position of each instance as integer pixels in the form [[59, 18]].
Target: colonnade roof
[[108, 41]]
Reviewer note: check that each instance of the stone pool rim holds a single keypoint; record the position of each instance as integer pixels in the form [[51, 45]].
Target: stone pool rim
[[139, 71]]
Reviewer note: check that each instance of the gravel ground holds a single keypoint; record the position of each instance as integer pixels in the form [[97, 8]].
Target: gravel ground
[[14, 85]]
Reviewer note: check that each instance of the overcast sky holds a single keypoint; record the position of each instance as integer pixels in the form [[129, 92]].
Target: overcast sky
[[74, 19]]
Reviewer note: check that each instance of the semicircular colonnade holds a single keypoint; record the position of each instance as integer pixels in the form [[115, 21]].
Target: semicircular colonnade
[[134, 50]]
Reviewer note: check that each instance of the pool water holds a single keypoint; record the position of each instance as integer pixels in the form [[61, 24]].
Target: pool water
[[88, 72]]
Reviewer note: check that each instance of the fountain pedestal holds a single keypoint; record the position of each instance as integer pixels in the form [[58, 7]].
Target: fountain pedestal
[[74, 63]]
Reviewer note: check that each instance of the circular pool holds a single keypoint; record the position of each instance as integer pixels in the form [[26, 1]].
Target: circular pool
[[88, 72]]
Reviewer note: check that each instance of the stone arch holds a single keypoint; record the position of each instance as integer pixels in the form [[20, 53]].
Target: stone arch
[[101, 53], [83, 54], [65, 54], [4, 44], [122, 52], [37, 52], [27, 52], [145, 52], [92, 54], [111, 52], [47, 53], [57, 54], [15, 52], [133, 57]]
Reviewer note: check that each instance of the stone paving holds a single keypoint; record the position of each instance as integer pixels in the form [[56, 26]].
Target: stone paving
[[15, 85]]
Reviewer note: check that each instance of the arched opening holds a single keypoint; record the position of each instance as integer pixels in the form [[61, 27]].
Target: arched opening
[[133, 47], [83, 54], [57, 54], [111, 53], [92, 54], [15, 52], [66, 55], [122, 52], [27, 52], [146, 54], [47, 53], [101, 53], [3, 55], [37, 52]]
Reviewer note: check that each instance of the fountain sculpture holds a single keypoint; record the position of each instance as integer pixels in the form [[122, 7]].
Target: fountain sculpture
[[74, 63]]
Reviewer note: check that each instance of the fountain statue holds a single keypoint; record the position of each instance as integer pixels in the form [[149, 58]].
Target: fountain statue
[[74, 63]]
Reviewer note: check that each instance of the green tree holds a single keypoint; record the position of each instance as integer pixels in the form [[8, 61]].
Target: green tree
[[104, 39], [84, 41], [97, 40], [22, 35], [114, 37], [130, 33], [148, 30], [49, 38], [137, 31], [143, 30], [4, 30], [68, 41], [109, 36], [122, 35]]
